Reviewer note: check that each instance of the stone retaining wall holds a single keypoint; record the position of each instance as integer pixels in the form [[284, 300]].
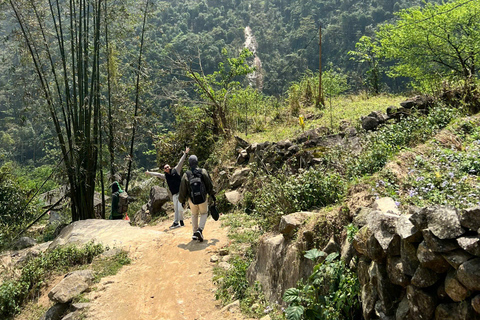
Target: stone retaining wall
[[420, 265]]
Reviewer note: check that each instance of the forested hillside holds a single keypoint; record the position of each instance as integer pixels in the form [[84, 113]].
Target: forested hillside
[[286, 35]]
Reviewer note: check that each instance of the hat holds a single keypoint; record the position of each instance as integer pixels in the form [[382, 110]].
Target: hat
[[193, 161]]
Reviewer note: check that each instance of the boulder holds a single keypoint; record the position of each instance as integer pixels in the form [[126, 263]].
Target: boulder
[[454, 289], [158, 197], [24, 242], [395, 272], [456, 311], [421, 304], [470, 218], [72, 285], [406, 230], [239, 177], [469, 274], [424, 277], [234, 197], [386, 205], [290, 223], [55, 312], [457, 257], [442, 221], [438, 245], [471, 244], [431, 260]]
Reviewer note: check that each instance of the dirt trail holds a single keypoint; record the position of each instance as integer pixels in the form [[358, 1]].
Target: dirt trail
[[170, 278]]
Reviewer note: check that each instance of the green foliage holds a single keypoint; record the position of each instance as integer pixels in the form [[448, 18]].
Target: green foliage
[[367, 53], [381, 145], [330, 292], [194, 129], [14, 208], [110, 266], [434, 44], [352, 230], [233, 284], [287, 194], [14, 293]]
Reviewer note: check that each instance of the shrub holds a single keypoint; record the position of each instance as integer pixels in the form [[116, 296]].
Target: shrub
[[14, 293], [288, 194], [331, 291]]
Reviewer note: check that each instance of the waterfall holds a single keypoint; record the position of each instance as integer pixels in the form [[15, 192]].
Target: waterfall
[[255, 79]]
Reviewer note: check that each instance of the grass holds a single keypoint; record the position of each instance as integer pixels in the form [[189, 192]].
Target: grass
[[350, 108]]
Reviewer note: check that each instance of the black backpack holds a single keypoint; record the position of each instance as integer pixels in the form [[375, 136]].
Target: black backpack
[[198, 191]]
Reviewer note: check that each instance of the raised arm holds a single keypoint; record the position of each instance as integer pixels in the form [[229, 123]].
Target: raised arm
[[155, 174], [179, 166]]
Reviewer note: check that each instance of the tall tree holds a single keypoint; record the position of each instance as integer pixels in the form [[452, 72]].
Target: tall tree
[[63, 40], [435, 43]]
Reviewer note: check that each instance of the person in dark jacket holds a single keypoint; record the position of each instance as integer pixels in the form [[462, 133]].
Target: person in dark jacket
[[199, 209], [173, 178], [116, 190]]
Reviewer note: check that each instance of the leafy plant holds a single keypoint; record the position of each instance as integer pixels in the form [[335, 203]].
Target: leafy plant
[[14, 293], [330, 292]]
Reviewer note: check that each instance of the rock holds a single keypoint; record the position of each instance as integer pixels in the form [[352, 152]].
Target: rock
[[369, 297], [214, 258], [72, 285], [476, 303], [403, 310], [470, 218], [457, 257], [454, 289], [241, 142], [234, 197], [233, 307], [158, 197], [24, 242], [395, 272], [406, 230], [388, 293], [424, 278], [347, 252], [362, 270], [456, 311], [243, 157], [239, 177], [421, 304], [360, 218], [471, 244], [76, 315], [386, 205], [142, 216], [408, 254], [225, 265], [289, 223], [55, 312], [383, 226], [370, 123], [469, 274], [80, 306], [331, 246], [438, 245], [431, 260], [443, 222]]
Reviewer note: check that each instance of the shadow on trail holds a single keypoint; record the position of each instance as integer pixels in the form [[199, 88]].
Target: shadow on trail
[[194, 245]]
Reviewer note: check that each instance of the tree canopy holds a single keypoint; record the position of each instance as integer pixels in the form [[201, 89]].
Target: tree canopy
[[435, 43]]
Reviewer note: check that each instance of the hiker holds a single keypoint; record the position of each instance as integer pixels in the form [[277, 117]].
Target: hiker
[[116, 190], [173, 178], [195, 186]]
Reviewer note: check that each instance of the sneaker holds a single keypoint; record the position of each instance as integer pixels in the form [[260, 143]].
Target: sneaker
[[195, 236], [181, 223], [199, 235], [175, 225]]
